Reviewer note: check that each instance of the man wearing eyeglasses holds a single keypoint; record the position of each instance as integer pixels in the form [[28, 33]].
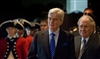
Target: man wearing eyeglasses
[[87, 44]]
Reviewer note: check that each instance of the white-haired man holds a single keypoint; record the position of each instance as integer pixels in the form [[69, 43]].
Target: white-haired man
[[87, 44], [47, 46]]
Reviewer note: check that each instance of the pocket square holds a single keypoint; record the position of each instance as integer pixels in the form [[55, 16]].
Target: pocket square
[[65, 44]]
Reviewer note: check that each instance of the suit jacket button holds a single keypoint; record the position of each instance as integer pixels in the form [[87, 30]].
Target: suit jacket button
[[14, 42], [16, 55], [14, 46], [7, 46], [14, 49], [7, 49], [5, 56], [7, 42], [15, 52], [6, 52]]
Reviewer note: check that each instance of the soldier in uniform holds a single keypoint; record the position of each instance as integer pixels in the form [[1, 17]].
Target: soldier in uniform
[[28, 28], [12, 47]]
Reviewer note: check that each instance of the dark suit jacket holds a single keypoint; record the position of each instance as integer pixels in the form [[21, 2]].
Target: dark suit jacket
[[40, 46], [92, 49]]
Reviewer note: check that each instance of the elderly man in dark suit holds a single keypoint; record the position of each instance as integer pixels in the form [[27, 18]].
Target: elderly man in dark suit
[[87, 44], [61, 46]]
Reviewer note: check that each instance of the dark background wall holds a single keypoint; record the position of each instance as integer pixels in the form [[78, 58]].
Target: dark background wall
[[32, 9], [95, 5], [26, 3], [29, 9]]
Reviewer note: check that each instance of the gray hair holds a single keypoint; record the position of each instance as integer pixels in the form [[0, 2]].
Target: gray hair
[[58, 11], [90, 19]]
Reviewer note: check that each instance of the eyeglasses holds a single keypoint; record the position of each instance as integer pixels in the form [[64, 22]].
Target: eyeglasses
[[85, 27]]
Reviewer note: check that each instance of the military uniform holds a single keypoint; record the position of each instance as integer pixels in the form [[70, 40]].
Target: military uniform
[[12, 47], [17, 47]]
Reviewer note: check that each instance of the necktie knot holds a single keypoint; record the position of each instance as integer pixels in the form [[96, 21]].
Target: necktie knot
[[84, 40], [52, 34], [84, 44]]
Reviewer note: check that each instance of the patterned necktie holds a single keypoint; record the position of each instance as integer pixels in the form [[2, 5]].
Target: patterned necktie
[[84, 44], [52, 45], [83, 47]]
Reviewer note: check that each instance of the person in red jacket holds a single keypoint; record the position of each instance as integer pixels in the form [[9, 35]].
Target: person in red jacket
[[12, 47], [24, 32], [29, 37]]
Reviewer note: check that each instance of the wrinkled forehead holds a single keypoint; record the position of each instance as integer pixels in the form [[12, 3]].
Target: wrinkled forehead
[[84, 20]]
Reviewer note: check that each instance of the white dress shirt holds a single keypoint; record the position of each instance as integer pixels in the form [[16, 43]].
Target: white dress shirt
[[55, 37], [82, 42]]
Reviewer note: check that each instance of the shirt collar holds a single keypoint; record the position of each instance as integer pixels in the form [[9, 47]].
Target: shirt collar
[[56, 32], [85, 39], [11, 37]]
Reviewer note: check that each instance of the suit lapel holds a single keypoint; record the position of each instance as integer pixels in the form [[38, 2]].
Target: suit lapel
[[45, 37], [59, 43], [89, 43], [77, 42]]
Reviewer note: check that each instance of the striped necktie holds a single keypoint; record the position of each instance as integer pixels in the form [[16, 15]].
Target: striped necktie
[[84, 44]]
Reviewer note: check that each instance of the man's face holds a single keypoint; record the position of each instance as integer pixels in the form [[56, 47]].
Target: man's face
[[11, 31], [85, 27], [54, 21]]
